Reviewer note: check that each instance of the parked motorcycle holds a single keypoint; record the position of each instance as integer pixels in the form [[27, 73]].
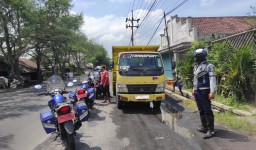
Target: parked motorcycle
[[62, 117], [99, 88], [87, 91]]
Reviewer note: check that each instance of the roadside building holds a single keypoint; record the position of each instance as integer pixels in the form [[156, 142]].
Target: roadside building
[[183, 31]]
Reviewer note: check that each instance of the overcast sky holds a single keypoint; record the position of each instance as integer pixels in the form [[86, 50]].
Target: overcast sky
[[105, 19]]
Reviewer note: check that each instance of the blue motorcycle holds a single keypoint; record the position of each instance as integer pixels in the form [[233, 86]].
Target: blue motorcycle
[[62, 117], [86, 92]]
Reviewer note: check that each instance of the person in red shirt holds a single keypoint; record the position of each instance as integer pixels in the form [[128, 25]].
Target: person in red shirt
[[105, 83]]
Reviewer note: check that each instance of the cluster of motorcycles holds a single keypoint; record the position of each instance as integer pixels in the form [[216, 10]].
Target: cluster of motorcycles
[[65, 116]]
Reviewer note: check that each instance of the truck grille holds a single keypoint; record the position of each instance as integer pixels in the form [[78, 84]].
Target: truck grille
[[141, 89]]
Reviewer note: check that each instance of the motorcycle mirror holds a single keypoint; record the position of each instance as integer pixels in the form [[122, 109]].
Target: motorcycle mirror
[[38, 87], [70, 84]]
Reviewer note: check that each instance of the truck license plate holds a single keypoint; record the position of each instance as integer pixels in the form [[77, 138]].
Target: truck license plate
[[142, 97]]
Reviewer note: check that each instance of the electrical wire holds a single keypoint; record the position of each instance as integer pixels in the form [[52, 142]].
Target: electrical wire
[[175, 8], [155, 31]]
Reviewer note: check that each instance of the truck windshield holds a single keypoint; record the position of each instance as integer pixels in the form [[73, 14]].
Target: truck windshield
[[140, 64]]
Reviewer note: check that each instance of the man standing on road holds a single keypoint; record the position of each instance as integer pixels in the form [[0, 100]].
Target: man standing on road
[[204, 91], [105, 83]]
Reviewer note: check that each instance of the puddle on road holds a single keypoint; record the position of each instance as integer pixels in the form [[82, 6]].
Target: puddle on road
[[170, 116]]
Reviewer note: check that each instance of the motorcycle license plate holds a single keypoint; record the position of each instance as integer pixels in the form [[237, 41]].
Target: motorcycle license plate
[[81, 96], [65, 118]]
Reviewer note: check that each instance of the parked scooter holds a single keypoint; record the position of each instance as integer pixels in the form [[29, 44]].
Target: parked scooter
[[62, 117], [16, 83]]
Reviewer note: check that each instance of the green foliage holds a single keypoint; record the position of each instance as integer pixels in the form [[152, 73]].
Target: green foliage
[[185, 67], [235, 75]]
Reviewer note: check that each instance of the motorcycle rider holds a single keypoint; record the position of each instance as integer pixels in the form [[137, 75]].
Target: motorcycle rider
[[204, 89]]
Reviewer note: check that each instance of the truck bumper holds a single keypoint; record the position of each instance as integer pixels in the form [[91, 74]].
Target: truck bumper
[[135, 97]]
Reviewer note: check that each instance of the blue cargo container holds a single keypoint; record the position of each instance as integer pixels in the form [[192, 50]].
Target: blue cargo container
[[82, 111], [91, 93], [48, 121]]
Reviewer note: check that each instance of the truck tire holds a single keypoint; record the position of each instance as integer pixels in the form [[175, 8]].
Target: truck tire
[[114, 89], [120, 104], [157, 104]]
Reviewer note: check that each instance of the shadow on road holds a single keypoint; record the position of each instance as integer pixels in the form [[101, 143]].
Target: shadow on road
[[14, 109], [232, 136], [5, 141], [83, 146], [94, 115], [140, 108], [176, 104]]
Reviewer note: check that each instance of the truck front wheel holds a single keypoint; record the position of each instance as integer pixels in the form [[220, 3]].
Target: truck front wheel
[[120, 104], [157, 104]]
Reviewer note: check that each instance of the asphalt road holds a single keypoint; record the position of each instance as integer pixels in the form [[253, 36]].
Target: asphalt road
[[135, 128]]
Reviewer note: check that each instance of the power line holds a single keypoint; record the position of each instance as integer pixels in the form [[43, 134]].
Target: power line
[[155, 31], [133, 4], [182, 3], [151, 27], [132, 26], [129, 8], [147, 13], [139, 9], [152, 17]]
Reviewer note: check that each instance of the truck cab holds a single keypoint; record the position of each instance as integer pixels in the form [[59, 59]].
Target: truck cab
[[138, 75]]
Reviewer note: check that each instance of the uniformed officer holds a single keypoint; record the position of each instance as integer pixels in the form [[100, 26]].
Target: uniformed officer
[[204, 91]]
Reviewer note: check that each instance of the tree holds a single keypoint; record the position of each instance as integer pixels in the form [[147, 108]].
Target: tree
[[14, 40], [52, 27]]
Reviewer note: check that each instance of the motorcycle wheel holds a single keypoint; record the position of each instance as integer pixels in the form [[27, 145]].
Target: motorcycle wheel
[[67, 139], [70, 141]]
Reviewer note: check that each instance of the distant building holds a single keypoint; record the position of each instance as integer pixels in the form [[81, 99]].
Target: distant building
[[28, 69], [183, 31]]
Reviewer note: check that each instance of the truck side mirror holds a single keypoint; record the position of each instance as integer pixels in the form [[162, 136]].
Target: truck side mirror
[[173, 65], [111, 64]]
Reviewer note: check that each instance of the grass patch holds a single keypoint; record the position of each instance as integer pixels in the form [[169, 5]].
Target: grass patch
[[231, 102], [233, 122], [190, 104], [189, 90]]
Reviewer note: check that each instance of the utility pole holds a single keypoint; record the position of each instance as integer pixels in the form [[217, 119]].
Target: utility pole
[[169, 48], [132, 26]]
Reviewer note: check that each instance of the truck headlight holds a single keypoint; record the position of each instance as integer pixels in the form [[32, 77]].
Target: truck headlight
[[121, 88], [160, 87]]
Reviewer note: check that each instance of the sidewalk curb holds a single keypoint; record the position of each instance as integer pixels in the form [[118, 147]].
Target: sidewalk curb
[[219, 106]]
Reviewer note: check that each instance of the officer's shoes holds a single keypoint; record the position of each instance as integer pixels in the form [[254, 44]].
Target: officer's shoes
[[202, 129], [209, 134]]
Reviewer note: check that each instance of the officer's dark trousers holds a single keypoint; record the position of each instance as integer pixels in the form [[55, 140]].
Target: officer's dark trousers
[[203, 102]]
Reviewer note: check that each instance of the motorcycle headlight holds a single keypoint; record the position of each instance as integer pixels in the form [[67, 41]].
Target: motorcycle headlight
[[160, 87], [121, 87]]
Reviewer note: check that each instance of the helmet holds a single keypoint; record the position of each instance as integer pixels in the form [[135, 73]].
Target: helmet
[[200, 52], [200, 55], [89, 66], [97, 68]]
